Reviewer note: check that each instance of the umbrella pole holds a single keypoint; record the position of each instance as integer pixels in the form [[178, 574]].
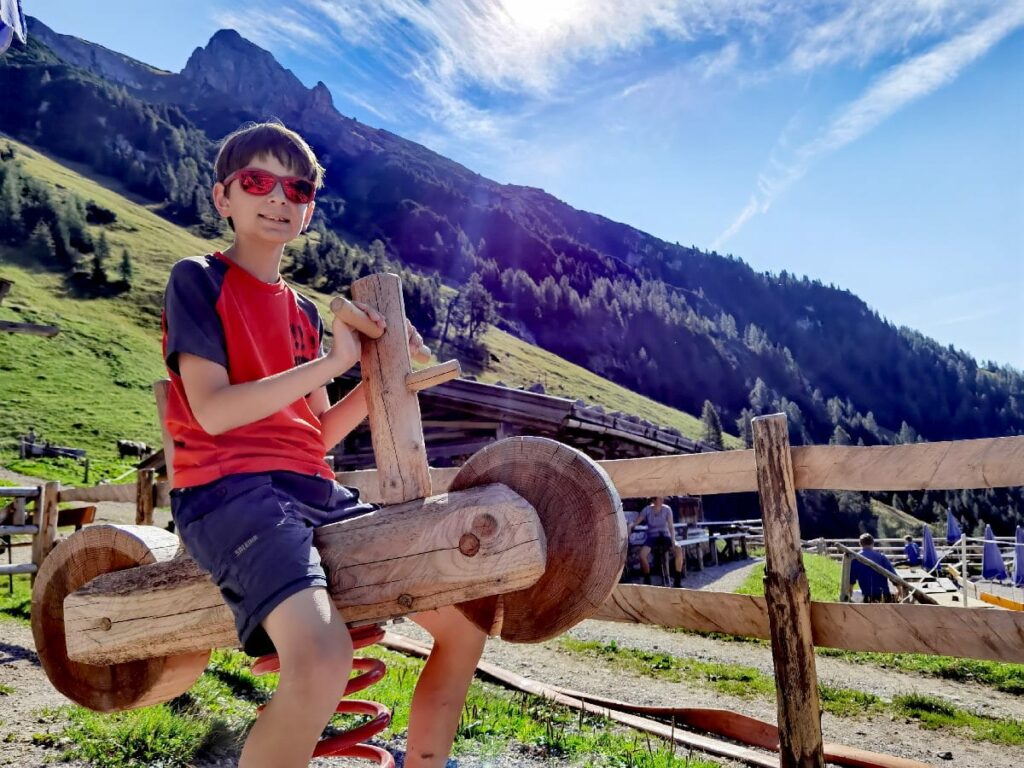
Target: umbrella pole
[[963, 565]]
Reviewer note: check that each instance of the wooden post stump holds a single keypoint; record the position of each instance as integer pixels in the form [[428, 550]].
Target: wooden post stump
[[788, 597], [144, 497]]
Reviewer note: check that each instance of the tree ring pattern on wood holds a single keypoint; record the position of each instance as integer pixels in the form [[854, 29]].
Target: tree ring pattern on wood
[[582, 517]]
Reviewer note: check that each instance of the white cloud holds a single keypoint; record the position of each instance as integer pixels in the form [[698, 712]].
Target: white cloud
[[894, 89], [284, 27], [478, 71]]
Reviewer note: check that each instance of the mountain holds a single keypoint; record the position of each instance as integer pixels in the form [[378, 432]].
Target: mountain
[[677, 323]]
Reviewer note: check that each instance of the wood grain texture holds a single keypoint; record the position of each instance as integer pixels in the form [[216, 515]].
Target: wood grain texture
[[105, 688], [882, 628], [585, 529], [395, 425], [788, 597], [391, 562]]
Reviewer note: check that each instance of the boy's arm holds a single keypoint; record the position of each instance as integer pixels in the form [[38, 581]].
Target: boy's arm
[[220, 406], [337, 420], [342, 417]]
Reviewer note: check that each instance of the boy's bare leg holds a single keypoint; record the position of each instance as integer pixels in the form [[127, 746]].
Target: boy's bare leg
[[441, 690], [315, 650]]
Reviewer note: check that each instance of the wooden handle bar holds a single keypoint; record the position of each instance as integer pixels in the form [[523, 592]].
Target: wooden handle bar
[[353, 316]]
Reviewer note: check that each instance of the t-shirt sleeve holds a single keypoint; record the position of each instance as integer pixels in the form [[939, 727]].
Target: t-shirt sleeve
[[190, 315]]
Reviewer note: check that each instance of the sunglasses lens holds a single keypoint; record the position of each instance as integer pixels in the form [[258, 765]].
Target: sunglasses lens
[[298, 190], [259, 182], [256, 183]]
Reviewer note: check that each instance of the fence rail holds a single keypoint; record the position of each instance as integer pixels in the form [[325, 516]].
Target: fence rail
[[42, 528]]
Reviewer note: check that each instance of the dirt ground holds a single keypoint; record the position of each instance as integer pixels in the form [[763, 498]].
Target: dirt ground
[[22, 716]]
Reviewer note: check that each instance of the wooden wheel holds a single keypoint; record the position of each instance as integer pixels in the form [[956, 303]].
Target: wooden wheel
[[96, 550], [581, 513]]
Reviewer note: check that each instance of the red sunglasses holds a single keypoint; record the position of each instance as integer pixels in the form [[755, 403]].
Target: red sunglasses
[[256, 181]]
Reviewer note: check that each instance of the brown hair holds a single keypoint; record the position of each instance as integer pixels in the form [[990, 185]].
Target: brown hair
[[867, 540], [270, 138]]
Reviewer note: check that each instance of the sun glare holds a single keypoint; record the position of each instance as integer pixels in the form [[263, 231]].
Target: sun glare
[[539, 15]]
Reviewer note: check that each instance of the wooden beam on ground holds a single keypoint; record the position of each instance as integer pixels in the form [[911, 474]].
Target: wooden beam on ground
[[397, 560], [788, 597], [880, 627], [29, 328], [677, 735], [920, 596]]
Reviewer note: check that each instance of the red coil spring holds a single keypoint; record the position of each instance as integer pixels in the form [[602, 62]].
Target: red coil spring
[[347, 743]]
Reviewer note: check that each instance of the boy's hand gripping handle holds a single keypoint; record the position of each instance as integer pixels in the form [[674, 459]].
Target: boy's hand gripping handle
[[354, 317]]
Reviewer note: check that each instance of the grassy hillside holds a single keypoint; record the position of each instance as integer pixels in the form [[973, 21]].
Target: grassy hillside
[[91, 384], [894, 524]]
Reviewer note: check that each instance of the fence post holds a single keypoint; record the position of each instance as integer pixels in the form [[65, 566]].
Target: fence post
[[844, 584], [46, 519], [963, 566], [788, 598], [144, 497]]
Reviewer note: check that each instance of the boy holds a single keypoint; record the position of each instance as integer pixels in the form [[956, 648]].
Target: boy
[[251, 423]]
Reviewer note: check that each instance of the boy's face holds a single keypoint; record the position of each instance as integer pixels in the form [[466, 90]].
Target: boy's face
[[271, 217]]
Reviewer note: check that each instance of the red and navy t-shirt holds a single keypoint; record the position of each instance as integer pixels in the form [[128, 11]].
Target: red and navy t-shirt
[[215, 309]]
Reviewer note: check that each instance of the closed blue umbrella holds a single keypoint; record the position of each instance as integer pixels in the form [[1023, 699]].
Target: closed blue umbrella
[[929, 558], [953, 532], [992, 565], [1018, 559], [12, 22]]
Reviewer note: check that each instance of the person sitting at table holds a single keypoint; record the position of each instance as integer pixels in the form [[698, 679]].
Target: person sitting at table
[[873, 585], [657, 516], [911, 551]]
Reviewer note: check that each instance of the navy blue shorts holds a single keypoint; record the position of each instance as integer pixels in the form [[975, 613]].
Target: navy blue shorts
[[253, 533]]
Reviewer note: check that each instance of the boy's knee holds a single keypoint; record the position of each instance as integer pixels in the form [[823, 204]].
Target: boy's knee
[[322, 663], [321, 675]]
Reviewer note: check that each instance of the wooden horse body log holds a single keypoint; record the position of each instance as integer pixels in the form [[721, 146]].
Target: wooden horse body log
[[399, 559], [120, 622]]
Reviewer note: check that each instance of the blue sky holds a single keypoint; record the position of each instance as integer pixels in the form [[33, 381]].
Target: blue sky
[[875, 145]]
